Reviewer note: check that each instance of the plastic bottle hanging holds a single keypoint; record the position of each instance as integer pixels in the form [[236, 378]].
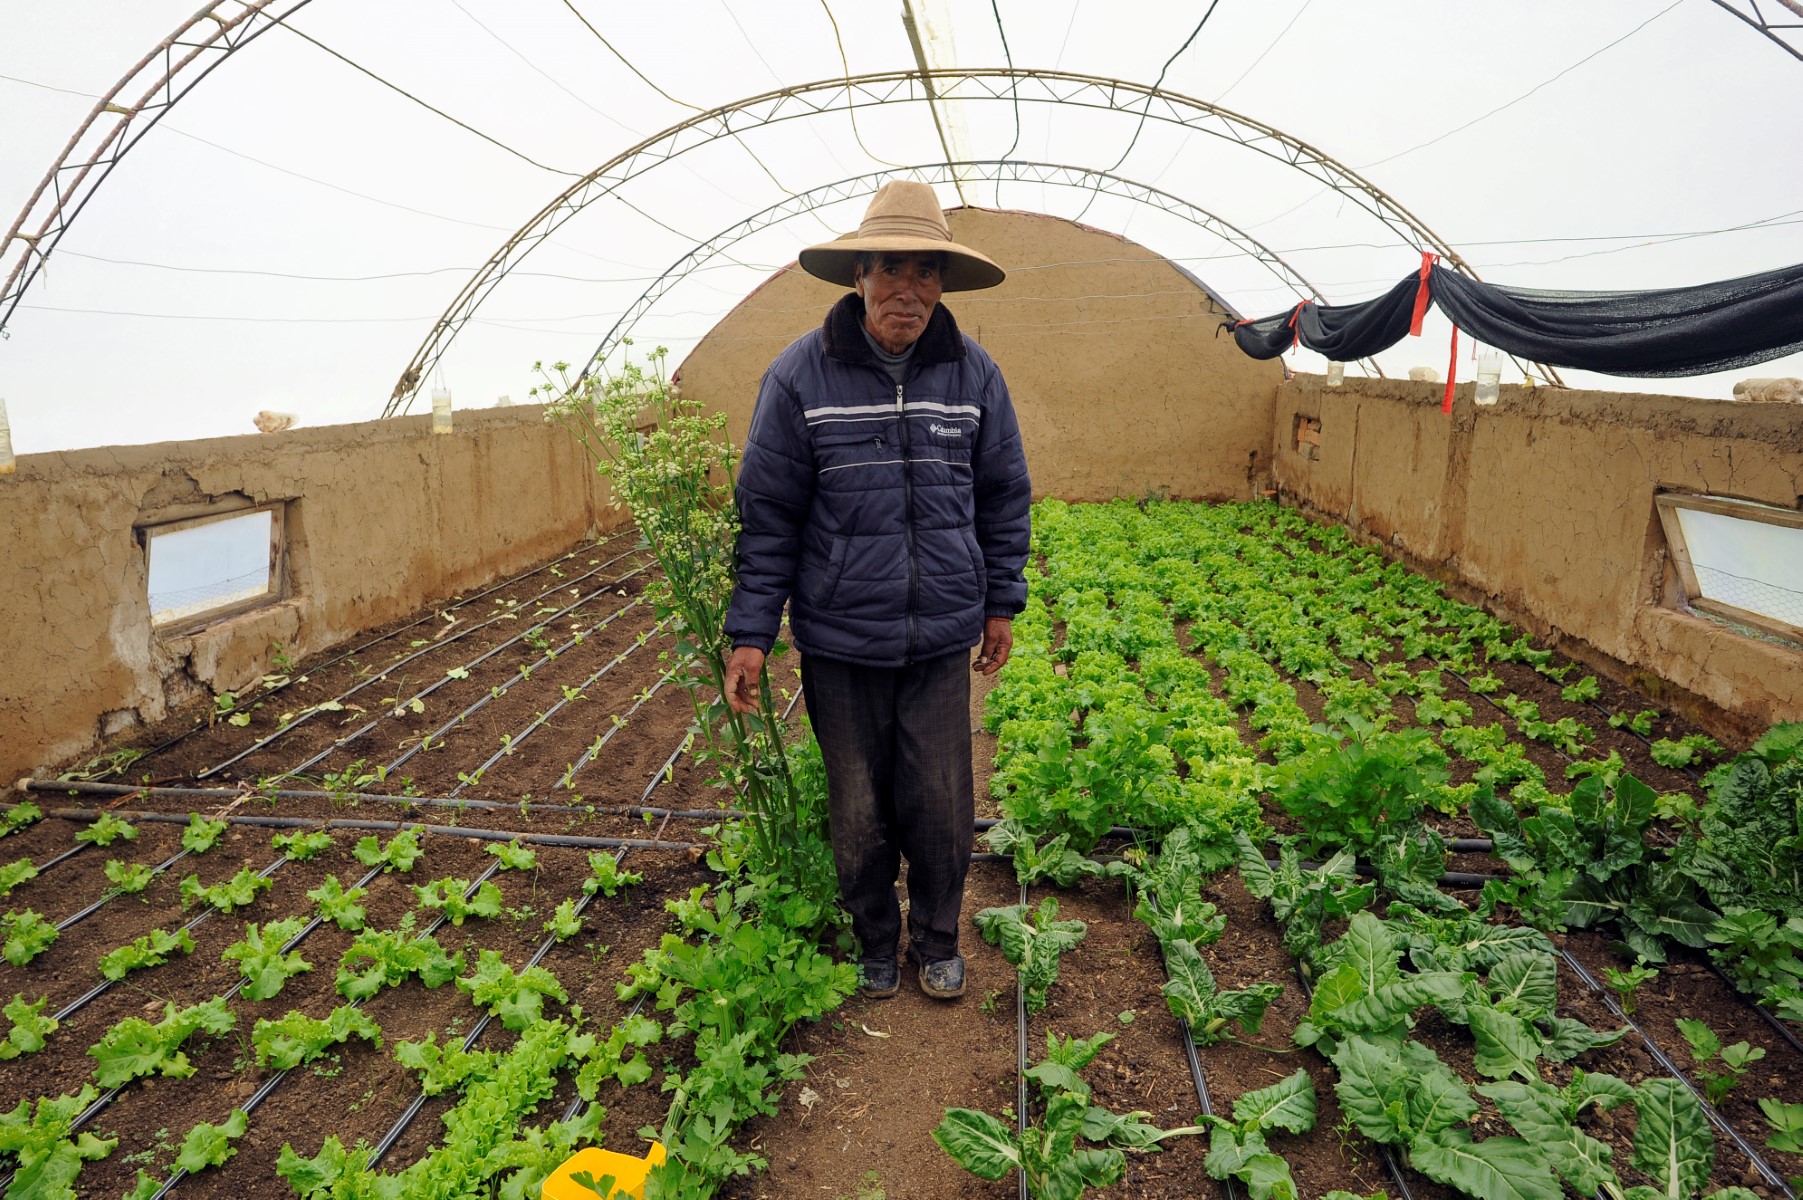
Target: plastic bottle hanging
[[441, 409], [1489, 379], [1336, 372], [7, 462]]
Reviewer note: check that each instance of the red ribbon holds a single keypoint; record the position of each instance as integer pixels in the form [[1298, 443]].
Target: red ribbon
[[1421, 297], [1294, 313], [1452, 373]]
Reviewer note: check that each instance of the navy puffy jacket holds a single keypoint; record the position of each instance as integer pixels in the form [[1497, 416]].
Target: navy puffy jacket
[[892, 520]]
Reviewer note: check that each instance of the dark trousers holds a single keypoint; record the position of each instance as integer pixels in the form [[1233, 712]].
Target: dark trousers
[[896, 741]]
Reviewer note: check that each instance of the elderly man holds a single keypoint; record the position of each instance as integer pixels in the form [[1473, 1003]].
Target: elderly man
[[883, 495]]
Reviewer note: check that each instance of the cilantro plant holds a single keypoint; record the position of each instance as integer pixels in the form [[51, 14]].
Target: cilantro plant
[[152, 950], [263, 960]]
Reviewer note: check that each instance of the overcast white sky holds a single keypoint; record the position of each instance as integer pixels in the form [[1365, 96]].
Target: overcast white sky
[[286, 162]]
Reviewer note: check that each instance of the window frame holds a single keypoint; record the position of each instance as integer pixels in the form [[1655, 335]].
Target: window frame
[[1668, 504], [276, 590]]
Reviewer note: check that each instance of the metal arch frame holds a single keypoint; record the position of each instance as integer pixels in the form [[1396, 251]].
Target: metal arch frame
[[97, 145], [1749, 12], [983, 170], [893, 87]]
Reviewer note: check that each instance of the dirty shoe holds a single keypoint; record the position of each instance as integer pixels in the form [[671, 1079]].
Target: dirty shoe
[[941, 978], [879, 978]]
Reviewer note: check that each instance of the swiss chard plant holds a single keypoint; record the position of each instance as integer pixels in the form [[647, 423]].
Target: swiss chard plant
[[1303, 901], [1237, 1148], [1033, 942]]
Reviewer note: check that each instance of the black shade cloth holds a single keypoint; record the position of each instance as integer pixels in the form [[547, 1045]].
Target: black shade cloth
[[1669, 331]]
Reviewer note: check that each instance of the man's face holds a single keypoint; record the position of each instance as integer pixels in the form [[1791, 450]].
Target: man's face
[[899, 294]]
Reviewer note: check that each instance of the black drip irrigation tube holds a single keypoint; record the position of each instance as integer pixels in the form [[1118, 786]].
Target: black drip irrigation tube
[[1773, 1178], [445, 680], [107, 896], [1020, 1057], [296, 676], [571, 841], [269, 739], [1390, 1162], [52, 787], [269, 1085], [1205, 1105]]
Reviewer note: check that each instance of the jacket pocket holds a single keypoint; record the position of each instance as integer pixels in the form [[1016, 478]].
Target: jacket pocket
[[978, 571], [835, 567]]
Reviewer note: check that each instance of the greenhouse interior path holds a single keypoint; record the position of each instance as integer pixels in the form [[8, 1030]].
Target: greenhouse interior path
[[531, 726]]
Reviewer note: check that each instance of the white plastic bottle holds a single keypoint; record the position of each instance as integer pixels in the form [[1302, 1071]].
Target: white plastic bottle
[[7, 462], [1336, 372], [441, 410], [1489, 379]]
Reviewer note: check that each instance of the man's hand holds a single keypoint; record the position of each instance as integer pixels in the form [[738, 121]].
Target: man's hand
[[998, 640], [742, 670]]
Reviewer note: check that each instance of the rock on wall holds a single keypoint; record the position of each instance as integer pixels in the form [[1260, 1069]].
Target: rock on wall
[[380, 517], [1544, 504], [1109, 351]]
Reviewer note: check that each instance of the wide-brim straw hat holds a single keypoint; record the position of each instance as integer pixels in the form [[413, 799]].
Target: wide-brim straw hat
[[903, 218]]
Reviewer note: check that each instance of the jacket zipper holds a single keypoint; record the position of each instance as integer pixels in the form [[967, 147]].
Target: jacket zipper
[[908, 519]]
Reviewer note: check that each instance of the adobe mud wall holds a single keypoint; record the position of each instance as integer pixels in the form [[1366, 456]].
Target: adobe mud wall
[[1110, 352], [1544, 503], [381, 517]]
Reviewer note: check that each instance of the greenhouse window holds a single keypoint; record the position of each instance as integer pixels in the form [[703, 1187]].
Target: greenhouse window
[[212, 566], [1738, 560]]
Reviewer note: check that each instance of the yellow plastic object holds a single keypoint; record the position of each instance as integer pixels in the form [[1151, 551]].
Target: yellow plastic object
[[628, 1172]]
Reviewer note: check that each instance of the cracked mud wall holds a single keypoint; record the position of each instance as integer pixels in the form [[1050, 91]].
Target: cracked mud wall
[[1543, 504], [1120, 382], [381, 517]]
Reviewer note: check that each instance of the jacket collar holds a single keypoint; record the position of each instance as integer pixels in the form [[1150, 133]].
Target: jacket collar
[[940, 342]]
